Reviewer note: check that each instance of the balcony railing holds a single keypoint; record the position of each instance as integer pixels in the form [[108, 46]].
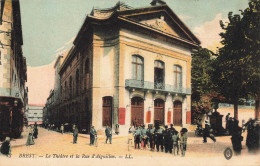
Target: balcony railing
[[138, 84]]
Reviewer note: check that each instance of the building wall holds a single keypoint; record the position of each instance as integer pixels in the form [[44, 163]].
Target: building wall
[[5, 67], [35, 114], [112, 65], [12, 63], [105, 72], [109, 51], [151, 49]]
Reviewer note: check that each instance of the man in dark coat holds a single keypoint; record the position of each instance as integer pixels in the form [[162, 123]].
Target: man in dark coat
[[172, 129], [108, 132], [35, 132], [250, 142], [236, 138], [159, 138], [167, 140], [93, 133], [208, 132], [227, 120]]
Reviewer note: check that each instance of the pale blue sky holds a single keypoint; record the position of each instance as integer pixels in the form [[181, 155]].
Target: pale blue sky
[[49, 24]]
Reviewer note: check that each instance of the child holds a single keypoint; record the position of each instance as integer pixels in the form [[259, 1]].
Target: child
[[6, 147]]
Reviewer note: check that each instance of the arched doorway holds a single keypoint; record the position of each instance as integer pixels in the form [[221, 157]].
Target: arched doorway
[[159, 111], [107, 111], [137, 111], [177, 113]]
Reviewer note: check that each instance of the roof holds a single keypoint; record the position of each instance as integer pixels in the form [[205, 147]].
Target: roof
[[126, 13]]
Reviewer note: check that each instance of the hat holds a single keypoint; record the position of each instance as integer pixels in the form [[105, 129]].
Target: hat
[[7, 139]]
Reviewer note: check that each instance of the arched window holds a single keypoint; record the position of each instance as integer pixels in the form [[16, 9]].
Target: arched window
[[137, 68], [177, 76], [158, 75]]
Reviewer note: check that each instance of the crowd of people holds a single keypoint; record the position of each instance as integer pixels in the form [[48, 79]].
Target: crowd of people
[[253, 133], [162, 138], [159, 138]]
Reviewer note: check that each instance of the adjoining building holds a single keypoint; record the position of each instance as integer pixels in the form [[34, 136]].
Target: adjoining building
[[35, 114], [13, 70], [128, 66]]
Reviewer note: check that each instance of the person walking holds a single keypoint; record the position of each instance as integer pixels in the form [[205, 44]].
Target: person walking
[[30, 140], [35, 132], [75, 135], [93, 133], [208, 132], [62, 129], [108, 132], [183, 141], [227, 121], [6, 147]]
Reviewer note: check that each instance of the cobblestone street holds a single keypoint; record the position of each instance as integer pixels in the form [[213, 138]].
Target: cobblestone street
[[53, 146]]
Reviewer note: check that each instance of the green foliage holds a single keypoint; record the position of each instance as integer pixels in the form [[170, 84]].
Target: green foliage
[[236, 69], [251, 31], [202, 85]]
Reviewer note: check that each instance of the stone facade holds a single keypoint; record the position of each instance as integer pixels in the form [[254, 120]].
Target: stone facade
[[13, 70], [128, 67]]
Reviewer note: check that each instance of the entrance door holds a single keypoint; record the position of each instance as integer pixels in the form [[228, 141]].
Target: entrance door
[[137, 111], [107, 111], [177, 113], [159, 112]]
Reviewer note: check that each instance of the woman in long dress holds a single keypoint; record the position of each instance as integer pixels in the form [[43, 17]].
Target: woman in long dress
[[30, 140]]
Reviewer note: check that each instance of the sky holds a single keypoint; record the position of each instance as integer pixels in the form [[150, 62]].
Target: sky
[[50, 26]]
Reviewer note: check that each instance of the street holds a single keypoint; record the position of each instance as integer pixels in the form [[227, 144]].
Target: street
[[54, 146]]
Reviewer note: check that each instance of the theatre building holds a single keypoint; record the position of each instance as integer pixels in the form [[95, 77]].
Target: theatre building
[[129, 65]]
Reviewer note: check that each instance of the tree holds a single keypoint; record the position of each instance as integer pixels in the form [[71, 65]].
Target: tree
[[251, 30], [236, 69], [202, 86]]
